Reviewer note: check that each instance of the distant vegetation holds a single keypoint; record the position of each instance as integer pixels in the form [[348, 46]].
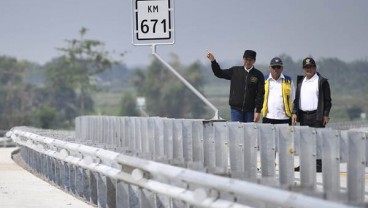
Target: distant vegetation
[[86, 80]]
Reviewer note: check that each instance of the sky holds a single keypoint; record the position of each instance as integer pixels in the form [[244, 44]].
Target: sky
[[32, 30]]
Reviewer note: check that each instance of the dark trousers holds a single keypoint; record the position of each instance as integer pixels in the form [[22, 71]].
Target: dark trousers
[[276, 121], [309, 118], [237, 115]]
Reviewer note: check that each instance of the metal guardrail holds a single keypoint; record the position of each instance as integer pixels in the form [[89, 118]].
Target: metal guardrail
[[349, 125], [235, 150], [110, 179]]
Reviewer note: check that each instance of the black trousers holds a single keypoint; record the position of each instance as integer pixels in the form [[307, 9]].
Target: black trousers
[[276, 121], [309, 118]]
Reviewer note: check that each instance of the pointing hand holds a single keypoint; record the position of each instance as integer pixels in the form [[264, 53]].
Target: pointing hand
[[210, 56]]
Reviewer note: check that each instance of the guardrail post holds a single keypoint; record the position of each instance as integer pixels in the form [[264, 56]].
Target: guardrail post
[[60, 173], [106, 191], [36, 162], [145, 197], [108, 136], [137, 135], [198, 143], [251, 136], [103, 139], [45, 166], [236, 149], [178, 149], [159, 140], [209, 146], [79, 181], [221, 138], [168, 129], [67, 177], [127, 134], [356, 167], [132, 135], [93, 185], [133, 197], [122, 194], [161, 201], [86, 192], [286, 154], [268, 153], [331, 162], [101, 191], [50, 164], [116, 133], [193, 143], [111, 192], [307, 157], [144, 138], [151, 138], [187, 141], [56, 176], [121, 134], [72, 179]]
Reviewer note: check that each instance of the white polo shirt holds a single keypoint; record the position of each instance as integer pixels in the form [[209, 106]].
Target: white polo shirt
[[309, 94], [275, 104]]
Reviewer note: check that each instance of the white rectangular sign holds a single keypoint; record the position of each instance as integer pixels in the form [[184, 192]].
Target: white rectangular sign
[[153, 22]]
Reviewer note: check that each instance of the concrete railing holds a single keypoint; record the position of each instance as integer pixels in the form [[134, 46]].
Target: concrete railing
[[110, 179], [243, 151]]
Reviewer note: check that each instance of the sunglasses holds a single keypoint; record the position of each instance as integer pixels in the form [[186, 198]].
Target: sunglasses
[[276, 67]]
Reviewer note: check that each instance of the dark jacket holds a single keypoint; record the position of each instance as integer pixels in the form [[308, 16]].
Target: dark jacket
[[246, 89], [324, 98]]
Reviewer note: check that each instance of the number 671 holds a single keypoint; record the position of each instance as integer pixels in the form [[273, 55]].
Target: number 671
[[145, 27]]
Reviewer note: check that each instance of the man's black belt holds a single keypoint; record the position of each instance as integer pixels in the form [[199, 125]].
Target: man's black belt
[[309, 112]]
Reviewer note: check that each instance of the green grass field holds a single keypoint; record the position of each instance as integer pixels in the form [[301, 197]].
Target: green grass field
[[107, 103]]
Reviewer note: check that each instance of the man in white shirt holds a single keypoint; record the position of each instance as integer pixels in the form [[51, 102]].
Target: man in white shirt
[[279, 95], [312, 102]]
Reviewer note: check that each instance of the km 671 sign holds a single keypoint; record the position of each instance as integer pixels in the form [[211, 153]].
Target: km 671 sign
[[153, 22]]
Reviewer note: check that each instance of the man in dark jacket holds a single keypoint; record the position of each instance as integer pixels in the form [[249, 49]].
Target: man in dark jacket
[[246, 87], [312, 102]]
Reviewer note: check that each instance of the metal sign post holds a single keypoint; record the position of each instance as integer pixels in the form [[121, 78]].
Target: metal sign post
[[153, 24]]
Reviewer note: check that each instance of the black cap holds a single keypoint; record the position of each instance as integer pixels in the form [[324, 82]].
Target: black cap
[[250, 54], [276, 62], [308, 62]]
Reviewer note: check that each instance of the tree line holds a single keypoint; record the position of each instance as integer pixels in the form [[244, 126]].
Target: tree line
[[52, 95], [65, 93]]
